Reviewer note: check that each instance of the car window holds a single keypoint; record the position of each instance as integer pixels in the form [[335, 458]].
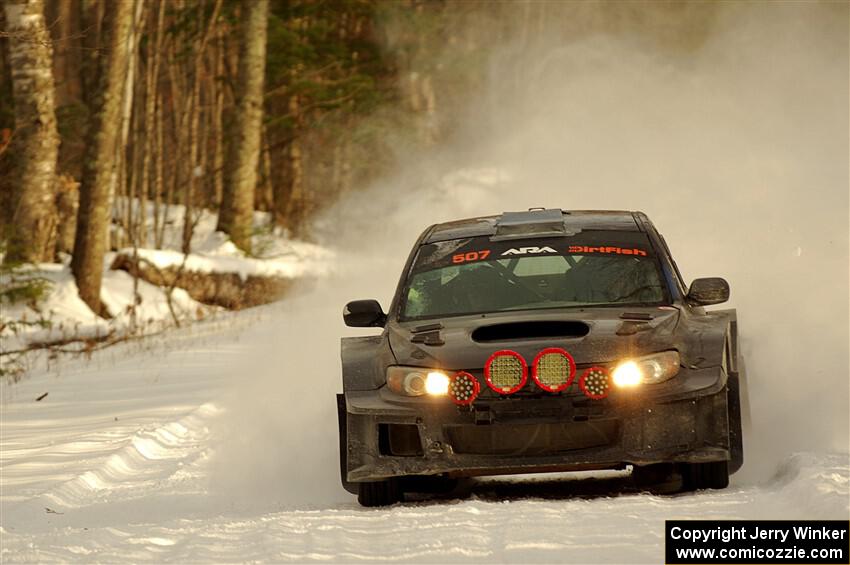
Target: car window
[[480, 276], [553, 265]]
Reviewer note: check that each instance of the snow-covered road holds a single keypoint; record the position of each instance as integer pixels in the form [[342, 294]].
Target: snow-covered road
[[177, 449]]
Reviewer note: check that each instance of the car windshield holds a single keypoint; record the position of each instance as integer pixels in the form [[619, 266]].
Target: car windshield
[[477, 275]]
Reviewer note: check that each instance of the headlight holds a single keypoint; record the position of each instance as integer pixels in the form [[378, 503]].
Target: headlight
[[651, 369], [417, 381], [436, 383]]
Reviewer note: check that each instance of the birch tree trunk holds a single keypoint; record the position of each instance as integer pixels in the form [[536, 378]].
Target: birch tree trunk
[[101, 158], [36, 140], [237, 204]]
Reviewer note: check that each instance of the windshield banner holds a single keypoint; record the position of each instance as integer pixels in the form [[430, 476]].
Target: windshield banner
[[460, 251]]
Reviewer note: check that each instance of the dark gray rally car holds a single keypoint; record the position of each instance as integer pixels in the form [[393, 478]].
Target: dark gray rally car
[[540, 341]]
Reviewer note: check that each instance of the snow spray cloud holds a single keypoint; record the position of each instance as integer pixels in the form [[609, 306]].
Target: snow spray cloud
[[738, 150], [734, 143]]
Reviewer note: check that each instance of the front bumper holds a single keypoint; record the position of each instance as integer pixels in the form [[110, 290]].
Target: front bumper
[[684, 420]]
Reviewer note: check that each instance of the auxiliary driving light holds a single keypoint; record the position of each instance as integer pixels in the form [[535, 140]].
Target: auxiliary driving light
[[594, 383], [553, 369], [506, 372], [464, 388]]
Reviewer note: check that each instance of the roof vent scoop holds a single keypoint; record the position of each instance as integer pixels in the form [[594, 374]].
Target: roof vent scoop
[[530, 330], [535, 222]]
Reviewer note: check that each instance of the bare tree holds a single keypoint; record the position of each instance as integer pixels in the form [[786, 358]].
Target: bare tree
[[122, 178], [194, 112], [36, 140], [101, 157], [237, 204], [217, 114], [148, 181], [63, 21]]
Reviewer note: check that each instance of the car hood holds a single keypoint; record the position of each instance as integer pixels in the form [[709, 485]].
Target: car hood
[[591, 335]]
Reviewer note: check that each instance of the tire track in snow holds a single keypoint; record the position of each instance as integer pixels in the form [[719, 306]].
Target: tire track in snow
[[149, 457], [113, 429], [605, 529]]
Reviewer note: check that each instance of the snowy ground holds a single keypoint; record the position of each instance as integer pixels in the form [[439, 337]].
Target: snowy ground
[[62, 316], [217, 441], [139, 455]]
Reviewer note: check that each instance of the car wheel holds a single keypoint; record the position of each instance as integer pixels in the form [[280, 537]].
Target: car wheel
[[697, 476], [652, 476], [429, 484], [379, 493]]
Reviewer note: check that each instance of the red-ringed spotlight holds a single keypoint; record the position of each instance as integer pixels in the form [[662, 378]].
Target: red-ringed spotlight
[[464, 389], [506, 371], [595, 382], [553, 369]]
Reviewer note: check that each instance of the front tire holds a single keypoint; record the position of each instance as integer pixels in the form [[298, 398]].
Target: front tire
[[379, 493], [429, 484], [713, 475], [650, 477]]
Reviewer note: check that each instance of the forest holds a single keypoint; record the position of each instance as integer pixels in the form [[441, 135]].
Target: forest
[[125, 121], [222, 105]]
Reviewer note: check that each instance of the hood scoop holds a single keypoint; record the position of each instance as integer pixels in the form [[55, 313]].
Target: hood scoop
[[530, 330], [428, 334]]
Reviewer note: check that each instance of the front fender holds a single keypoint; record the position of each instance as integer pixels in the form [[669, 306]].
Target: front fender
[[365, 361]]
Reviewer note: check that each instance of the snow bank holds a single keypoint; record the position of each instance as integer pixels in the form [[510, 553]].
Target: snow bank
[[293, 259], [62, 317], [274, 253]]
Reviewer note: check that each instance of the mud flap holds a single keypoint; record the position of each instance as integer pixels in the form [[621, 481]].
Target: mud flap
[[736, 439], [343, 445]]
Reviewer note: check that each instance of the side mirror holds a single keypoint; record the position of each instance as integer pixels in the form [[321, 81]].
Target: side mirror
[[364, 314], [713, 290]]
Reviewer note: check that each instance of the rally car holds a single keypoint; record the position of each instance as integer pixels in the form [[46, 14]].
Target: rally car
[[539, 341]]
